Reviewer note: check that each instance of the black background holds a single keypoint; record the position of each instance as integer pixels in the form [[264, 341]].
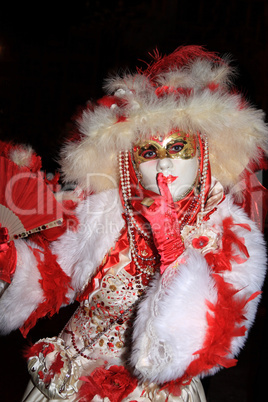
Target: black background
[[54, 57]]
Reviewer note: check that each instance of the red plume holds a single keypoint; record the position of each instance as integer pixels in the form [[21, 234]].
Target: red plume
[[181, 56]]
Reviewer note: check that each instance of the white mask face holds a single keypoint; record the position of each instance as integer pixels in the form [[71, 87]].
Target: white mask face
[[184, 170], [174, 156]]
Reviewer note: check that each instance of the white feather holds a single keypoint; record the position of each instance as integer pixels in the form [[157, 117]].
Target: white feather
[[222, 116], [23, 294], [180, 323], [81, 252], [22, 155]]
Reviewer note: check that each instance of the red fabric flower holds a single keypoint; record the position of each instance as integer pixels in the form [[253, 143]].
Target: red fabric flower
[[200, 242], [115, 383]]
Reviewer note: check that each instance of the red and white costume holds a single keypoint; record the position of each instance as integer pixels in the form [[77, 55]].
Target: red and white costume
[[144, 332]]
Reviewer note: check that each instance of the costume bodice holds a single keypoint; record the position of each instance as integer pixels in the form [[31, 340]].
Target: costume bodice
[[98, 326]]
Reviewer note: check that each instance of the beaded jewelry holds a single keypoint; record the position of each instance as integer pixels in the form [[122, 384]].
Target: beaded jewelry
[[132, 225], [199, 199]]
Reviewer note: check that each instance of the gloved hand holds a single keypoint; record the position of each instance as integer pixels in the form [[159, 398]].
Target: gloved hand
[[8, 256], [161, 214]]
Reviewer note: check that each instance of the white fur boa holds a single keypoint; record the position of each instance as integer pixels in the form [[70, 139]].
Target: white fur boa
[[79, 254], [171, 323]]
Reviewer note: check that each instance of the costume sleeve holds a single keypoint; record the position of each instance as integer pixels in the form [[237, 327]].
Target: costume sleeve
[[196, 316], [37, 285], [38, 288], [49, 275]]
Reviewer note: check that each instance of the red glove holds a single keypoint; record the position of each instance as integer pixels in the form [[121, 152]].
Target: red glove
[[163, 219], [8, 256]]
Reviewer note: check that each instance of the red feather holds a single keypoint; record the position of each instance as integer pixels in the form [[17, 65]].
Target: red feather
[[177, 59], [223, 325], [54, 282], [221, 260]]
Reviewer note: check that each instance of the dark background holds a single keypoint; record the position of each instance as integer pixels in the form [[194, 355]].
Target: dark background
[[54, 57]]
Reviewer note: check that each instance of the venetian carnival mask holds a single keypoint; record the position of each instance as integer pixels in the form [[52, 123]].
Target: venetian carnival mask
[[174, 155]]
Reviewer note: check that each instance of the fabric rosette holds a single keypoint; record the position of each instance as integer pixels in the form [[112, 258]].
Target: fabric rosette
[[203, 239], [114, 383]]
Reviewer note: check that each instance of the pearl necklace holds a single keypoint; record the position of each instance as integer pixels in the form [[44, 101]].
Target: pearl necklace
[[131, 222], [201, 198], [203, 181]]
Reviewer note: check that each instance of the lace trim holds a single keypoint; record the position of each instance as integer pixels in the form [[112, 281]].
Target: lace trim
[[155, 353]]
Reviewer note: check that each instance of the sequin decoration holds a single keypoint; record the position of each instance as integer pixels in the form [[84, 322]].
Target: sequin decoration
[[98, 326]]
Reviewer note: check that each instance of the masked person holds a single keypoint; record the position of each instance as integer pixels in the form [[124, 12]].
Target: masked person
[[167, 268]]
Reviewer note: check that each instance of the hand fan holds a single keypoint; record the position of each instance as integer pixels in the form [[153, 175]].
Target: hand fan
[[27, 204]]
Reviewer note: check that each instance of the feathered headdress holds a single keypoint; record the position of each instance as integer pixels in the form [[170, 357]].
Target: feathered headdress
[[190, 89]]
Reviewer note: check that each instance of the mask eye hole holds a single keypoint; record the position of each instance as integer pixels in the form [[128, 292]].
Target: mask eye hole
[[175, 148], [149, 154]]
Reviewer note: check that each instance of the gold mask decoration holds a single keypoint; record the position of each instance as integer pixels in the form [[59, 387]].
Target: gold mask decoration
[[178, 145]]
